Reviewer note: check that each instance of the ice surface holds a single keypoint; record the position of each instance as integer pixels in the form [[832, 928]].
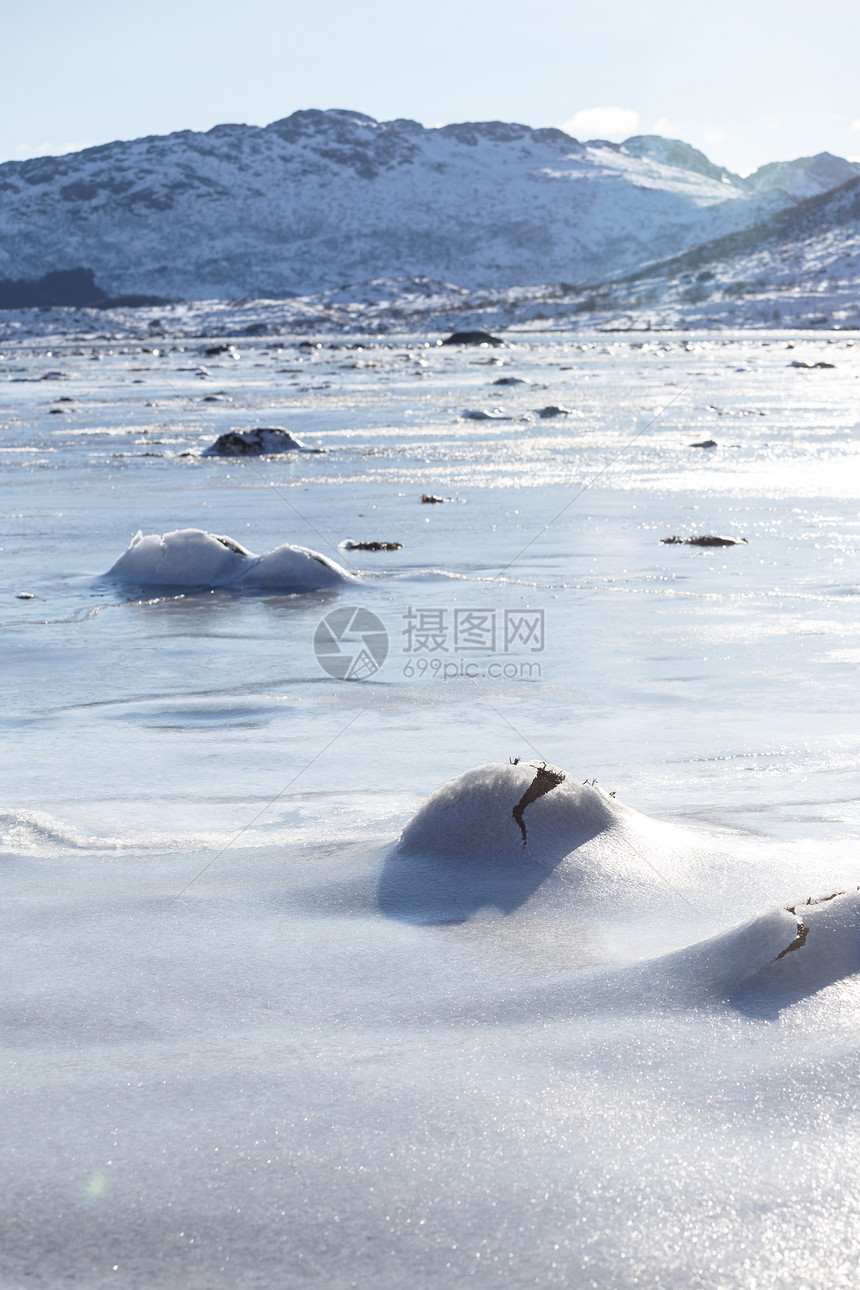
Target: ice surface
[[194, 558], [250, 1037]]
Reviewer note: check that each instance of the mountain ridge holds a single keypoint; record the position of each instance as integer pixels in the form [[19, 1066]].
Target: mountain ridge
[[324, 198]]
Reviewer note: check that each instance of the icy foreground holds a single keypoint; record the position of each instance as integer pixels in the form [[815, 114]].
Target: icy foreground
[[342, 985], [194, 558], [278, 1077]]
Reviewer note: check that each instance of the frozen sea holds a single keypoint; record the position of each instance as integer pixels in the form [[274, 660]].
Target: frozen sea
[[247, 1039]]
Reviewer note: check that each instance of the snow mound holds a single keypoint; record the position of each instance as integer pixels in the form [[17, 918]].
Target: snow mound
[[500, 834], [264, 441], [784, 954], [195, 558], [475, 817]]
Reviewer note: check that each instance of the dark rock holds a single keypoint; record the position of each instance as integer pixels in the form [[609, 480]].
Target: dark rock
[[429, 499], [349, 545], [212, 351], [706, 443], [511, 380], [555, 410], [810, 366], [706, 540], [472, 338], [264, 441]]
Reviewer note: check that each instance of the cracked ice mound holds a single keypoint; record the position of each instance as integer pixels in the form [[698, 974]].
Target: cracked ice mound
[[782, 955], [195, 558]]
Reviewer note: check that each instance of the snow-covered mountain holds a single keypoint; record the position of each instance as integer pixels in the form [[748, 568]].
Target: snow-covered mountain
[[805, 177], [792, 181], [800, 267], [322, 199]]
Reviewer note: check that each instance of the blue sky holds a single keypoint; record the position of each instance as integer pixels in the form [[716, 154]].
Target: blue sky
[[748, 81]]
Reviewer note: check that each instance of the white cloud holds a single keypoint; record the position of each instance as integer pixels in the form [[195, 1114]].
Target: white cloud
[[615, 123], [855, 125], [714, 136]]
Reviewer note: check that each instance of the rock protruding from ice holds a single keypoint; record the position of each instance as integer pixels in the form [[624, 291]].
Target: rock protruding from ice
[[472, 338], [263, 441], [475, 817], [351, 545], [212, 351], [705, 539], [781, 955], [486, 414], [195, 558]]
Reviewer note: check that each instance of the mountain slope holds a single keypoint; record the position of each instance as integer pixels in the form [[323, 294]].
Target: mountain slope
[[799, 267], [325, 198], [805, 177]]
